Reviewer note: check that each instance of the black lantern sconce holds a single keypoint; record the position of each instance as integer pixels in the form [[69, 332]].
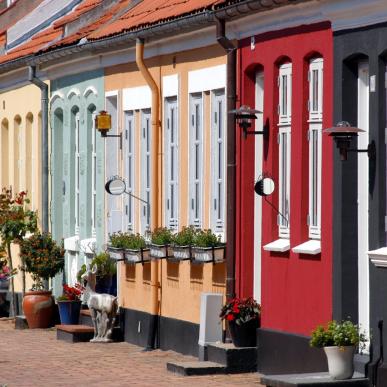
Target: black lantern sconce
[[343, 133], [103, 123], [244, 116]]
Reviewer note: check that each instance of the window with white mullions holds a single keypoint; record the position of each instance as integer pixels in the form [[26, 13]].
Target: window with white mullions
[[129, 169], [218, 160], [93, 176], [196, 159], [146, 170], [315, 105], [171, 160], [284, 141], [77, 173]]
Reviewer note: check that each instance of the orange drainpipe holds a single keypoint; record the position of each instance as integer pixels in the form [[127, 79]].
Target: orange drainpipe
[[154, 208]]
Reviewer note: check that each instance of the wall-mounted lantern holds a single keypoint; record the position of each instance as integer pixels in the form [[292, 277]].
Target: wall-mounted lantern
[[343, 133], [244, 116], [103, 123]]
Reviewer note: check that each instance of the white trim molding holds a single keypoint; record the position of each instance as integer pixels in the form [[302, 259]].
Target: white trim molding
[[209, 78], [89, 90], [71, 243], [311, 247], [72, 92], [136, 98], [88, 246], [55, 96], [280, 245], [378, 257], [171, 85]]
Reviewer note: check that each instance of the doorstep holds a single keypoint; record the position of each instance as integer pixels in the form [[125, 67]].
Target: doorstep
[[74, 333], [318, 379]]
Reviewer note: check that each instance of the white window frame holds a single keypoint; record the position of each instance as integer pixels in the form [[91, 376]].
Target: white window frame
[[284, 142], [171, 163], [315, 106], [146, 175], [196, 157], [218, 175], [77, 173], [129, 168]]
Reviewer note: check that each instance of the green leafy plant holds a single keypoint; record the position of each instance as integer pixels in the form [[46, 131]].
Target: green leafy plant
[[42, 256], [206, 238], [241, 310], [185, 237], [127, 241], [80, 273], [16, 220], [161, 236], [339, 334], [105, 266]]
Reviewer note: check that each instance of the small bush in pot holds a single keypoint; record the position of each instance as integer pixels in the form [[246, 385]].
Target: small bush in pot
[[106, 271], [43, 258], [243, 318], [136, 248], [182, 242], [160, 238], [69, 304], [339, 340], [207, 246]]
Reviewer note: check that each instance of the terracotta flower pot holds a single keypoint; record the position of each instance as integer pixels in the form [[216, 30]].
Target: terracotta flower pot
[[38, 308]]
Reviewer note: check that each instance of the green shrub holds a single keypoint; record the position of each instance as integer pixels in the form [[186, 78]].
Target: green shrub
[[185, 237], [161, 236], [105, 266], [206, 238], [337, 334], [127, 241]]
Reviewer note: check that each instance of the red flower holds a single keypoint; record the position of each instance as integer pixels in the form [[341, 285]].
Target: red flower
[[230, 317], [235, 309]]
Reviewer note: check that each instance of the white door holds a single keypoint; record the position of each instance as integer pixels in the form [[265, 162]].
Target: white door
[[259, 88], [362, 194]]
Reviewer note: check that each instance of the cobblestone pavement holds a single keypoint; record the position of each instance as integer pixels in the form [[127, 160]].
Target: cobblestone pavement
[[35, 358]]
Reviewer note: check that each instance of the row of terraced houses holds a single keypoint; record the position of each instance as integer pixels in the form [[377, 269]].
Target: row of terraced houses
[[305, 64]]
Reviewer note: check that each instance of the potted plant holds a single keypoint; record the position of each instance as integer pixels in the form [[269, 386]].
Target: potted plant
[[182, 243], [243, 318], [161, 238], [339, 340], [118, 242], [106, 271], [136, 249], [43, 258], [69, 304], [207, 247]]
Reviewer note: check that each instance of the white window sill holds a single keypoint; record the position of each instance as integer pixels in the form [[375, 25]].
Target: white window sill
[[311, 247], [87, 246], [378, 257], [280, 245], [72, 243]]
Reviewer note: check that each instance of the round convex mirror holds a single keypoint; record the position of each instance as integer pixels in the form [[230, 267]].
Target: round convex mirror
[[264, 186], [115, 186]]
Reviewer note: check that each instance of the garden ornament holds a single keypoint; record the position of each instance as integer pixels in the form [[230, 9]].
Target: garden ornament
[[103, 308]]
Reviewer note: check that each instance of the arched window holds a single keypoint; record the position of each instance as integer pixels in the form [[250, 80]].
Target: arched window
[[91, 168], [29, 169], [17, 161], [4, 153]]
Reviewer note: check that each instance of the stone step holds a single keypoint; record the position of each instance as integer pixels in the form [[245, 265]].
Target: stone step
[[236, 359], [318, 379], [85, 318], [74, 333], [196, 368]]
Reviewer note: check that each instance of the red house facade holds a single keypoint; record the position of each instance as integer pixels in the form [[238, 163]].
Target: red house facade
[[288, 75]]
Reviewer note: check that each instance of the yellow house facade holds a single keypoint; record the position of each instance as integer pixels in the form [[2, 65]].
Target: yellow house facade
[[192, 85], [20, 144]]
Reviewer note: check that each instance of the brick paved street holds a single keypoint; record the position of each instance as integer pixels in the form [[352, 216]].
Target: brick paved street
[[36, 358]]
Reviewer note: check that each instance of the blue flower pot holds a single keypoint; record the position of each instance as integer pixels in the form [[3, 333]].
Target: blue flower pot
[[69, 312]]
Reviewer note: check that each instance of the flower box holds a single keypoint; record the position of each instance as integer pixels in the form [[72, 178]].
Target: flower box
[[159, 251], [181, 252], [115, 253], [208, 254], [134, 256]]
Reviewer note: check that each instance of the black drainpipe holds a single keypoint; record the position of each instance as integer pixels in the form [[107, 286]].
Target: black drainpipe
[[231, 51], [44, 106]]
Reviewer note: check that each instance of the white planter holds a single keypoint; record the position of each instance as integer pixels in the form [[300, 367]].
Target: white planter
[[181, 252], [135, 255], [159, 251], [340, 361], [207, 254], [117, 254]]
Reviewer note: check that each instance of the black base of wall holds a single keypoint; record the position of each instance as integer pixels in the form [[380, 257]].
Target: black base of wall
[[285, 353], [176, 335]]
